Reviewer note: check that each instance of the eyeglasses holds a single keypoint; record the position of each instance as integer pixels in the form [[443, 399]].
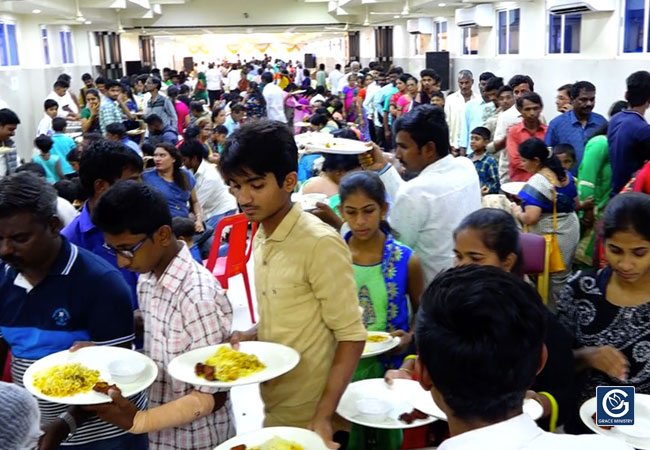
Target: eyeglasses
[[125, 253]]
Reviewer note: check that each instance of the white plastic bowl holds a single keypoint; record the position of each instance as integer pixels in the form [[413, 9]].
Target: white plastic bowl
[[126, 371], [373, 409]]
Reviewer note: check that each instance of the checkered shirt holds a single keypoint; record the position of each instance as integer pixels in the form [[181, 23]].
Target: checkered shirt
[[183, 310]]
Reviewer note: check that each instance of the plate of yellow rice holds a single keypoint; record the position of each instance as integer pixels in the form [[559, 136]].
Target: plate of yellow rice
[[276, 438], [68, 377], [254, 362]]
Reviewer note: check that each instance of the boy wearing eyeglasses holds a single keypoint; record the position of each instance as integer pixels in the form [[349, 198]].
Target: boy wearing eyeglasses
[[183, 308]]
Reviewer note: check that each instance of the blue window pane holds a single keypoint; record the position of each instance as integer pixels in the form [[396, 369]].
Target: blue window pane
[[64, 53], [554, 34], [572, 24], [633, 34], [3, 46], [46, 46], [12, 45], [68, 41], [513, 47], [503, 32]]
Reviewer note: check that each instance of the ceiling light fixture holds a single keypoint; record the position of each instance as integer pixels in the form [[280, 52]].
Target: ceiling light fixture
[[36, 11], [396, 17], [88, 22], [442, 5]]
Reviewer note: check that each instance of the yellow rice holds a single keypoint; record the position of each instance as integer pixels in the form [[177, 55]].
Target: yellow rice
[[231, 364], [278, 444], [65, 379]]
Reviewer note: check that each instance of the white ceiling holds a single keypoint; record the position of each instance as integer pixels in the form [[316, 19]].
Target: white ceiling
[[223, 16]]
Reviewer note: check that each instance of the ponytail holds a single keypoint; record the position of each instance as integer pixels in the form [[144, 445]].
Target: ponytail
[[536, 148]]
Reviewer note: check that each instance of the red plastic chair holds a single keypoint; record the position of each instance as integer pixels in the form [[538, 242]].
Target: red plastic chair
[[234, 263]]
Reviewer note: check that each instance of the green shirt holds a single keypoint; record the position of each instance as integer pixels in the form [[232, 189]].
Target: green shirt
[[85, 113], [321, 78], [595, 172], [373, 296]]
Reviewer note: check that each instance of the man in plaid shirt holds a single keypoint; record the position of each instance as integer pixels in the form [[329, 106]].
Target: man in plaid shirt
[[183, 308], [112, 110]]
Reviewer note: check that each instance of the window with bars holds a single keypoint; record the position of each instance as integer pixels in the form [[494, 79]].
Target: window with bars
[[508, 21], [8, 45], [46, 45], [441, 36], [470, 41], [67, 52], [635, 24], [564, 33]]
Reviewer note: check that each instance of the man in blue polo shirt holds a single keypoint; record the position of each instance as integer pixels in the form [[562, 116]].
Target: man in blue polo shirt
[[53, 293], [102, 164], [575, 127], [628, 134]]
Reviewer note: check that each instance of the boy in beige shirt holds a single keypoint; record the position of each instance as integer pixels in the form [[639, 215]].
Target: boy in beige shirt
[[305, 286]]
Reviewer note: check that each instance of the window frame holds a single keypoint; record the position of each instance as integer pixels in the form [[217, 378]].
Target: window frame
[[65, 42], [45, 45], [645, 28], [7, 53], [438, 24], [563, 30], [508, 36], [463, 47]]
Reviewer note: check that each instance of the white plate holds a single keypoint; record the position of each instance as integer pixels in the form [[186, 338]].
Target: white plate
[[401, 395], [633, 435], [513, 187], [377, 348], [96, 358], [278, 359], [307, 439], [308, 201], [312, 138], [338, 146]]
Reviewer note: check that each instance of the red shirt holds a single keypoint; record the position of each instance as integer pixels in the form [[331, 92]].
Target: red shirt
[[516, 135]]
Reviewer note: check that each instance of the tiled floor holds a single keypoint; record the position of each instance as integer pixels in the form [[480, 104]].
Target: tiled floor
[[247, 404]]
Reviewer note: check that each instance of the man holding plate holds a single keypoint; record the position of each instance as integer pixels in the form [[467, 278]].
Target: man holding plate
[[53, 293], [305, 286]]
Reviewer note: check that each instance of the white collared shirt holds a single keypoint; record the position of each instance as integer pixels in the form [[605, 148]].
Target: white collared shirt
[[522, 433], [274, 97], [427, 209], [454, 110], [212, 192], [213, 79], [333, 80]]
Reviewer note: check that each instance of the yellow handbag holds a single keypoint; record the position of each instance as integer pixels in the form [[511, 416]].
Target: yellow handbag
[[555, 262]]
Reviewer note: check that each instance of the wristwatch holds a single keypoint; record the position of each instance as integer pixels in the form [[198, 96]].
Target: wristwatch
[[69, 420]]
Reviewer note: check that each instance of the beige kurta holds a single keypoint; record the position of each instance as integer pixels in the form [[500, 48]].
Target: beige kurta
[[307, 300]]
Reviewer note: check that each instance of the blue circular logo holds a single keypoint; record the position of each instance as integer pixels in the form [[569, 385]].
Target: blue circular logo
[[61, 317]]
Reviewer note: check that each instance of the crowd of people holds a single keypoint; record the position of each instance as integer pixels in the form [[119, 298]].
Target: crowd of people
[[104, 230]]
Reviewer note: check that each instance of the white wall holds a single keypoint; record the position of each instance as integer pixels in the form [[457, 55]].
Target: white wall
[[599, 60]]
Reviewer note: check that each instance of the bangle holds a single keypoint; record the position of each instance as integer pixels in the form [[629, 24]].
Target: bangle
[[385, 169], [69, 420], [404, 369], [555, 409], [410, 357]]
